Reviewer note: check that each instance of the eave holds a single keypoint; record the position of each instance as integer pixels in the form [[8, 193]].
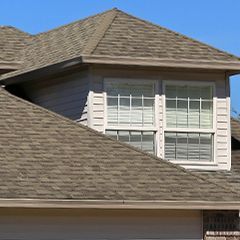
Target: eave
[[30, 74], [121, 204], [165, 63]]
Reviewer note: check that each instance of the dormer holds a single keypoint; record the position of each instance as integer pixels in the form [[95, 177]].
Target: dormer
[[136, 82]]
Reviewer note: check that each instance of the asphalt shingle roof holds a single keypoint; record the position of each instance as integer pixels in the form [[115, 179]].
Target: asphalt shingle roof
[[12, 43], [46, 156], [116, 34], [229, 179]]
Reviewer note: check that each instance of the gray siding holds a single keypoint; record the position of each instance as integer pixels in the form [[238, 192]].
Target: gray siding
[[64, 225], [67, 96]]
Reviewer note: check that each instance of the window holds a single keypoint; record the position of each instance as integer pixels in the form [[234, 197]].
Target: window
[[131, 112], [189, 123]]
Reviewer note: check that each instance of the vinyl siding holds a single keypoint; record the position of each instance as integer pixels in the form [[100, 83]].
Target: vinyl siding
[[222, 112], [112, 224], [81, 97], [67, 96]]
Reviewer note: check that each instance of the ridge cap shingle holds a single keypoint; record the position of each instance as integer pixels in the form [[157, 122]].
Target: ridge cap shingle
[[101, 31]]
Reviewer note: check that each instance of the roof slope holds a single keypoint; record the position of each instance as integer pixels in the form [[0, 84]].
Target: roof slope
[[45, 156], [116, 34], [12, 42], [229, 179], [134, 37]]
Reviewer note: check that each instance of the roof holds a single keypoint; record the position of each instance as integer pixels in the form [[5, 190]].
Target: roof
[[12, 42], [46, 156], [229, 179], [117, 37]]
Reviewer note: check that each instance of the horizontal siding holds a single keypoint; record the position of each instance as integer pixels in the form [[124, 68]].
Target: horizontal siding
[[172, 225], [222, 134], [67, 96], [98, 105]]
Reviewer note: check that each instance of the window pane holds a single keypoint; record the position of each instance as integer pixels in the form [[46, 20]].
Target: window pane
[[170, 146], [136, 139], [112, 133], [194, 107], [148, 112], [135, 104], [124, 111], [137, 112], [205, 147], [182, 114], [148, 143], [112, 110], [206, 93], [123, 136], [181, 149], [206, 114], [194, 92], [193, 146], [171, 91], [140, 139], [194, 114], [182, 92], [189, 146], [171, 116]]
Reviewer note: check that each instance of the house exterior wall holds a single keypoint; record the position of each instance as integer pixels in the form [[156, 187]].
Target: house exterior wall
[[67, 96], [100, 224], [81, 97], [221, 121]]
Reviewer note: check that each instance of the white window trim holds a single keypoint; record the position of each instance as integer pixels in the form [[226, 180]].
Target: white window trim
[[154, 128], [212, 130]]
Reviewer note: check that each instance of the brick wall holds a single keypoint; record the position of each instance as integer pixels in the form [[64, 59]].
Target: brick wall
[[221, 225]]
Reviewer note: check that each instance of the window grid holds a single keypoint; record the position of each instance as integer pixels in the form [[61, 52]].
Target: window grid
[[131, 110], [181, 123], [142, 144], [134, 113], [200, 149]]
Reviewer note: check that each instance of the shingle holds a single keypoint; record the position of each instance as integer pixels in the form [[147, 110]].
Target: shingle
[[46, 156], [12, 43], [230, 179], [116, 34]]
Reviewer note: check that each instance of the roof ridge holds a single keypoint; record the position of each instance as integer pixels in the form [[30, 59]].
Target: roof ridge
[[55, 115], [99, 33], [180, 34]]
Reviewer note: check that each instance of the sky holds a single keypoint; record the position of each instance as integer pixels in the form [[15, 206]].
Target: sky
[[215, 22]]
